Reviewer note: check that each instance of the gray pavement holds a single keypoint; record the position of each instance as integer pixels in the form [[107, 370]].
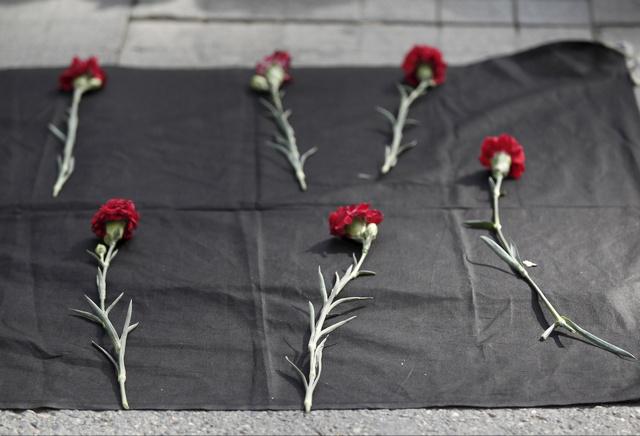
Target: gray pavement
[[594, 420], [201, 33]]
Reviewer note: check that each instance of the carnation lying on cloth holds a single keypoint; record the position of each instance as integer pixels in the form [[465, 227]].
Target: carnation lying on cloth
[[79, 78], [359, 223], [115, 221]]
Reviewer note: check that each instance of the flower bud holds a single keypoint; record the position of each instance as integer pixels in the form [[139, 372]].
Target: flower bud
[[259, 83], [101, 250], [81, 81], [372, 230], [357, 229], [501, 164], [114, 231], [424, 72], [275, 75], [94, 83]]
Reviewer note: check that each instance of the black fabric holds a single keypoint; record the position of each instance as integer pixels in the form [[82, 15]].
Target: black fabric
[[225, 258]]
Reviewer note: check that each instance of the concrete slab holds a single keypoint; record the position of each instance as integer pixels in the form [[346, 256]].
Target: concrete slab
[[532, 36], [471, 43], [474, 11], [553, 12], [39, 33], [616, 11], [287, 10]]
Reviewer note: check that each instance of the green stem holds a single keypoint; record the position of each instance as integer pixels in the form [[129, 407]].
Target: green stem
[[502, 240], [66, 161], [119, 343], [315, 359], [293, 154], [102, 283], [509, 254], [391, 157]]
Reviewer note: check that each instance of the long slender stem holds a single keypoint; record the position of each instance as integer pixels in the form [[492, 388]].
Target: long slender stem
[[66, 161], [395, 148], [496, 193], [101, 317], [102, 276], [289, 146], [319, 332], [510, 255], [315, 350]]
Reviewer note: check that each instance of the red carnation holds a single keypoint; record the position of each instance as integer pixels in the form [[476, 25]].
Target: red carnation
[[424, 55], [281, 58], [505, 144], [343, 217], [78, 68], [116, 209]]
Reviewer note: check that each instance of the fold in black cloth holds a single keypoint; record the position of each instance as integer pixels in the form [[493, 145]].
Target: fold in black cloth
[[226, 254]]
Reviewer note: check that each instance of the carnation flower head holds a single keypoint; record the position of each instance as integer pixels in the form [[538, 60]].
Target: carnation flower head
[[85, 73], [503, 154], [115, 220], [424, 62], [272, 70], [356, 221]]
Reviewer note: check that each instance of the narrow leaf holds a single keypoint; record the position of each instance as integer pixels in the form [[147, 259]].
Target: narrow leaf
[[57, 133], [335, 326], [127, 319], [347, 299], [492, 184], [132, 327], [411, 122], [112, 305], [94, 255], [529, 264], [366, 272], [407, 146], [319, 352], [323, 285], [300, 373], [477, 224], [514, 251], [278, 147], [599, 342], [402, 90], [501, 253], [347, 273], [266, 103], [94, 306], [312, 319], [87, 315], [308, 154], [407, 88], [106, 353], [388, 115]]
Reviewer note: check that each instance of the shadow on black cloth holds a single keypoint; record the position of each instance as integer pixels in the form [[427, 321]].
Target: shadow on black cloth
[[225, 259]]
